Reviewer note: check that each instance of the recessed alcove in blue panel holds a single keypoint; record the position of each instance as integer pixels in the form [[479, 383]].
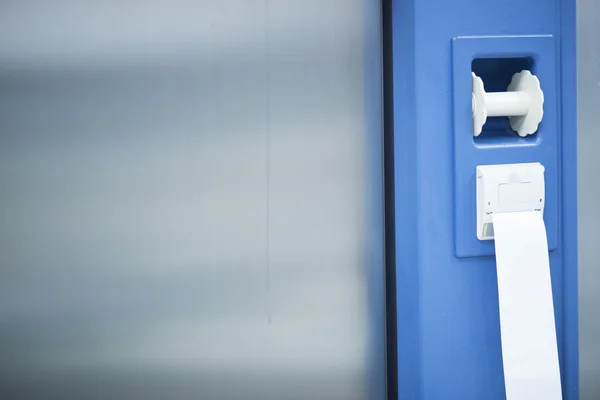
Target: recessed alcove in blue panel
[[496, 74], [495, 60]]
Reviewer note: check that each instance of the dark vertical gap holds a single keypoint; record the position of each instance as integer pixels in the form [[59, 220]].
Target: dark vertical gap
[[390, 236]]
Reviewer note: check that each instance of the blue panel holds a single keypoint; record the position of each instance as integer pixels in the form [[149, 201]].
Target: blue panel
[[447, 306], [501, 146]]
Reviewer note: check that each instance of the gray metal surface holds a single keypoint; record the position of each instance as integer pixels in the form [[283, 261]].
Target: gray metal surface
[[588, 99], [188, 203]]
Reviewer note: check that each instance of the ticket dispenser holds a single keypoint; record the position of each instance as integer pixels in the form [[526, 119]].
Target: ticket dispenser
[[479, 84]]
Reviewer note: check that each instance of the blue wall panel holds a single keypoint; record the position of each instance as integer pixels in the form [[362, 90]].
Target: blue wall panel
[[498, 144], [447, 303]]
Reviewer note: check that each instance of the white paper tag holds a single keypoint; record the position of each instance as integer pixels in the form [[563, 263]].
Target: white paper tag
[[529, 349]]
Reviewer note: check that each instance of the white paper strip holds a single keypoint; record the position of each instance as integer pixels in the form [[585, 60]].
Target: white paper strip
[[529, 350]]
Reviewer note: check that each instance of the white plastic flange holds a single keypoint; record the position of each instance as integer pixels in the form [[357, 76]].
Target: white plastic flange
[[523, 103]]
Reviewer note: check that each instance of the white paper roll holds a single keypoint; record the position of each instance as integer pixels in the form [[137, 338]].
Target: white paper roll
[[529, 349]]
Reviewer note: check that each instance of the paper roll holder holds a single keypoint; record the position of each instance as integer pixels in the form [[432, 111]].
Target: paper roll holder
[[522, 103]]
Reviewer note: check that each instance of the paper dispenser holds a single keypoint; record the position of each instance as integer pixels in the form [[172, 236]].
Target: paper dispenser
[[507, 188]]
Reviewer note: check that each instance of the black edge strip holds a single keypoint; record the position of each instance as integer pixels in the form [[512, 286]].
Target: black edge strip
[[390, 237]]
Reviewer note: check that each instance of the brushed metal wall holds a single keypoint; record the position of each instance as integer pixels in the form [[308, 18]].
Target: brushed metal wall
[[588, 136], [190, 200]]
